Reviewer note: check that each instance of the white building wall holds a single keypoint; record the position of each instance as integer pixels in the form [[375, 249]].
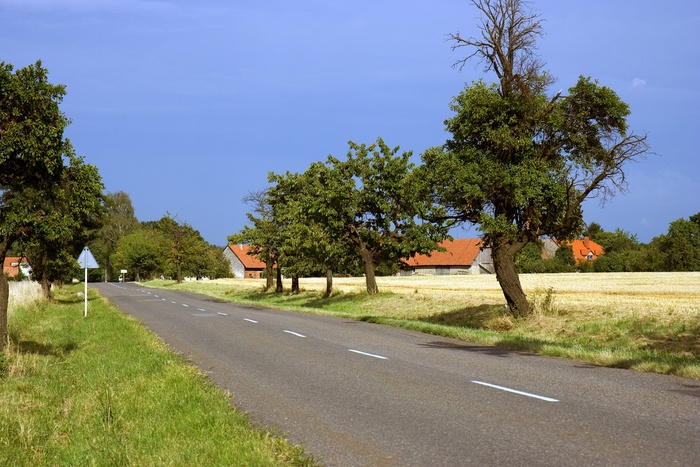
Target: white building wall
[[237, 267]]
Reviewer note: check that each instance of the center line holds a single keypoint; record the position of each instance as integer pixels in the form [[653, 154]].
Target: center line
[[250, 320], [294, 333], [368, 354], [222, 314], [548, 399]]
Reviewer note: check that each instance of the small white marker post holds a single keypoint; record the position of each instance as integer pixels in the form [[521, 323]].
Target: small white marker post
[[86, 260]]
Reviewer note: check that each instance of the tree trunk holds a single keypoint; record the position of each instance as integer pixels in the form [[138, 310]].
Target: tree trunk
[[329, 283], [46, 287], [269, 278], [178, 269], [370, 278], [4, 299], [295, 283], [279, 288], [507, 275]]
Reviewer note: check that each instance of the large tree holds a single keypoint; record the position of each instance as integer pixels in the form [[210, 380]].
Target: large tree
[[74, 213], [370, 201], [521, 161], [311, 241], [33, 153]]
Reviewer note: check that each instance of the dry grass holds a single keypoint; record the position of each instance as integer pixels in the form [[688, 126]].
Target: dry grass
[[23, 294], [616, 293]]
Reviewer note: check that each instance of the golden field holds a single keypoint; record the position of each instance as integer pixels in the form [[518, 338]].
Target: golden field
[[619, 293]]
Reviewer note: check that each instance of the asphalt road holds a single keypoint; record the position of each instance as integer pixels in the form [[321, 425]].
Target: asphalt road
[[355, 393]]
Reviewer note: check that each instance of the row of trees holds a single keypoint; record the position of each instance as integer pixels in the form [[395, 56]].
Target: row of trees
[[519, 165], [50, 200], [676, 250], [166, 247], [338, 215], [52, 203]]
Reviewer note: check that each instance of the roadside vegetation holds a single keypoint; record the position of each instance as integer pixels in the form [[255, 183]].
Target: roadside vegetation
[[642, 321], [104, 391]]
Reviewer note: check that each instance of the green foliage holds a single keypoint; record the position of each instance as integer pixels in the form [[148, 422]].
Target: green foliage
[[142, 253], [363, 209], [48, 204], [118, 220]]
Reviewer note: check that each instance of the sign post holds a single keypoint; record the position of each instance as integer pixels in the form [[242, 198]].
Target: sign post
[[86, 260]]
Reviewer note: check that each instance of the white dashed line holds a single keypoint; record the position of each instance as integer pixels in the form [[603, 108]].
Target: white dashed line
[[547, 399], [250, 320], [368, 354], [294, 333], [221, 314]]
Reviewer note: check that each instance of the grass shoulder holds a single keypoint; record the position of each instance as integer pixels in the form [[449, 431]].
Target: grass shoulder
[[645, 323], [103, 390]]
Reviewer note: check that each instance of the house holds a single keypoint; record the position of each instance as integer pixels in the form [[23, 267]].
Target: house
[[13, 264], [584, 249], [242, 263], [461, 256]]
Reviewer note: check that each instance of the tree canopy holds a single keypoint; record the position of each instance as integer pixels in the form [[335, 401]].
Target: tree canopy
[[520, 161], [43, 201]]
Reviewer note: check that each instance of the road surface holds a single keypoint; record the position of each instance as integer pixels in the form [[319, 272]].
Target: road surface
[[356, 393]]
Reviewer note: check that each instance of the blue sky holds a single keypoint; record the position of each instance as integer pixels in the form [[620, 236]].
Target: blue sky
[[187, 105]]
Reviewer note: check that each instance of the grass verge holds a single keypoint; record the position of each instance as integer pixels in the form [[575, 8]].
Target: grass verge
[[103, 390], [636, 326]]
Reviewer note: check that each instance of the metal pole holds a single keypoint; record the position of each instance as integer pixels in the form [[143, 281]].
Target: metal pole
[[86, 290]]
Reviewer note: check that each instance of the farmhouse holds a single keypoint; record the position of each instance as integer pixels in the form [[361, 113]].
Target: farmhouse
[[242, 263], [14, 264], [461, 256], [584, 249]]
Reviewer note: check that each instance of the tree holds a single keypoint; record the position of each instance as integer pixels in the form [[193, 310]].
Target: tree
[[119, 220], [142, 253], [262, 236], [680, 246], [370, 201], [32, 152], [311, 240], [183, 244], [74, 213], [520, 162]]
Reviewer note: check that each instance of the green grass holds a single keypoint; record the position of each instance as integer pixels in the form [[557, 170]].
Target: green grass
[[642, 341], [103, 390]]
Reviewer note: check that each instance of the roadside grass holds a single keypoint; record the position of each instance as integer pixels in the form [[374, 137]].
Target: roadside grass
[[646, 322], [102, 390]]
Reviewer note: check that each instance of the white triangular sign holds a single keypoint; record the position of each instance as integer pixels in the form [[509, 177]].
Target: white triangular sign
[[86, 260]]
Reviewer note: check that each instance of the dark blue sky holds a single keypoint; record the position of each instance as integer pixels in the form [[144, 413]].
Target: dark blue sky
[[186, 106]]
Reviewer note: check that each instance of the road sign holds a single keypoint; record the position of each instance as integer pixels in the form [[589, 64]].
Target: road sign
[[86, 260]]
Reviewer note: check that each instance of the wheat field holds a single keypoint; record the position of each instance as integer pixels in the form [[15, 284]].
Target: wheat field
[[620, 293]]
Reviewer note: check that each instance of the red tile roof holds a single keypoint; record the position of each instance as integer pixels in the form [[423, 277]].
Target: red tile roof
[[582, 248], [249, 262], [459, 252]]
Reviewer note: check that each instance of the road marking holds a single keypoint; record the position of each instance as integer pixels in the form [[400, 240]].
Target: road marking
[[174, 303], [220, 313], [185, 305], [201, 309], [368, 354], [547, 399], [250, 320], [294, 333]]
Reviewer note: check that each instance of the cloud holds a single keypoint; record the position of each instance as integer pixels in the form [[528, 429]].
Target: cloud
[[639, 83]]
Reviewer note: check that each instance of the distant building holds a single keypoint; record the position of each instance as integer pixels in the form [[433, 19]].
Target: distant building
[[14, 264], [461, 256], [584, 249], [243, 265]]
